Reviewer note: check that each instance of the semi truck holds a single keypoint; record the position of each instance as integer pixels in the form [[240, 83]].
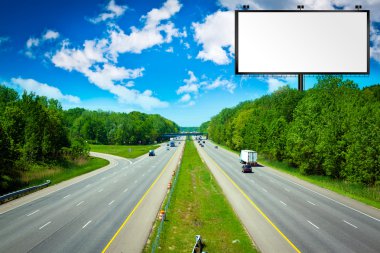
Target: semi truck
[[248, 157]]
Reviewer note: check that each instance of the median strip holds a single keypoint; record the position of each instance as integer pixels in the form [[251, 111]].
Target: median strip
[[198, 207]]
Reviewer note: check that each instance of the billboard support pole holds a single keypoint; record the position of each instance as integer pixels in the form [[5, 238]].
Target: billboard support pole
[[300, 82]]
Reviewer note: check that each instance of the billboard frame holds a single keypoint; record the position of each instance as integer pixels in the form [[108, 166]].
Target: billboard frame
[[299, 73]]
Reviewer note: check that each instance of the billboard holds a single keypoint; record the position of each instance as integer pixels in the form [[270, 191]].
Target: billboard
[[302, 42]]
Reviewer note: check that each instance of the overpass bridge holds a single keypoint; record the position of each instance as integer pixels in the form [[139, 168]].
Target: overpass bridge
[[184, 134]]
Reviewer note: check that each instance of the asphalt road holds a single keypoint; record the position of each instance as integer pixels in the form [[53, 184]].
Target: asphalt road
[[311, 220], [84, 216]]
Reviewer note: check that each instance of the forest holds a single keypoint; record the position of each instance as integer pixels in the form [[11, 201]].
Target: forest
[[332, 129], [36, 132]]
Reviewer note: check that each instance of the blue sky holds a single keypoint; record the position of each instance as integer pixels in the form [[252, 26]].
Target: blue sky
[[171, 57]]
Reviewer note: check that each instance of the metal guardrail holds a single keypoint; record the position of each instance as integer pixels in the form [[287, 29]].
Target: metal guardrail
[[23, 191], [159, 230], [198, 245]]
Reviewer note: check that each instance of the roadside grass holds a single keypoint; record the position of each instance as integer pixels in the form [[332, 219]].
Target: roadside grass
[[123, 151], [198, 207], [61, 171], [357, 191]]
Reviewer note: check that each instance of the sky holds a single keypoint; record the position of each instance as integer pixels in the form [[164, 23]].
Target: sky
[[168, 57]]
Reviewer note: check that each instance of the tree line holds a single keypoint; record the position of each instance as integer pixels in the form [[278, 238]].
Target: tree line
[[332, 129], [36, 131]]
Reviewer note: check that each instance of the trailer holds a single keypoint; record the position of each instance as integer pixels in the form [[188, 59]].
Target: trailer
[[248, 157]]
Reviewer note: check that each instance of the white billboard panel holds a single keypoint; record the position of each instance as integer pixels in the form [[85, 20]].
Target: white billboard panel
[[296, 42]]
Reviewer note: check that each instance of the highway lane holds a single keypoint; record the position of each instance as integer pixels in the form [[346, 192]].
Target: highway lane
[[311, 221], [84, 216]]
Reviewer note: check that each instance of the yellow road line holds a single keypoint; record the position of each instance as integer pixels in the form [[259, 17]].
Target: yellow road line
[[137, 205], [253, 204]]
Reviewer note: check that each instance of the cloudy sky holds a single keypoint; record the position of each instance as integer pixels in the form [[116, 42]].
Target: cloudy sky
[[171, 57]]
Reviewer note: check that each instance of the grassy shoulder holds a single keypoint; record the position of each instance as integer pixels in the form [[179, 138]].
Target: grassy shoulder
[[198, 206], [62, 171], [123, 151], [360, 192], [56, 173]]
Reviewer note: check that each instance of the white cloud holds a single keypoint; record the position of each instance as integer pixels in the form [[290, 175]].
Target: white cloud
[[43, 89], [4, 40], [275, 83], [32, 42], [216, 35], [221, 83], [112, 11], [153, 33], [92, 63], [375, 48], [170, 50], [130, 84], [191, 85], [185, 98], [50, 35], [80, 60]]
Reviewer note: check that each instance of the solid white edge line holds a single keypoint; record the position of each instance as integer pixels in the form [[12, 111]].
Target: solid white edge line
[[33, 212], [350, 224], [333, 200], [311, 203], [313, 224], [87, 224], [44, 225]]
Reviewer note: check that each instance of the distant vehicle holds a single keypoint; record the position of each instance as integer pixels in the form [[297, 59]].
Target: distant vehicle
[[167, 148], [151, 153], [172, 143], [204, 142], [248, 157], [246, 168], [202, 145], [216, 147], [167, 144]]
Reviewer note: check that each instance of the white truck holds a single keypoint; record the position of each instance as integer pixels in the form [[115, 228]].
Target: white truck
[[248, 157]]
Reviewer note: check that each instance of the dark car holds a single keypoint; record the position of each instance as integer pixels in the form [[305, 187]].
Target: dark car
[[216, 146], [246, 168], [151, 153], [204, 142]]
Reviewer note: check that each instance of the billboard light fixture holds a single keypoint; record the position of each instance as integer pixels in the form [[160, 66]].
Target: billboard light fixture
[[300, 7], [358, 7]]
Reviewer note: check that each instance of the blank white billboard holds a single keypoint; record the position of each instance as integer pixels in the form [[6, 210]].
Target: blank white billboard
[[296, 42]]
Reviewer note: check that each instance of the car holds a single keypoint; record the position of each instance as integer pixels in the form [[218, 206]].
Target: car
[[204, 142], [151, 153], [167, 144], [167, 148], [216, 147], [246, 168]]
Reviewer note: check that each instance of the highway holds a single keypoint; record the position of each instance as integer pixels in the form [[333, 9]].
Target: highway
[[85, 215], [305, 217]]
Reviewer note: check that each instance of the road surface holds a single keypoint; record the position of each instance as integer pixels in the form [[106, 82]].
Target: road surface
[[306, 217], [85, 215]]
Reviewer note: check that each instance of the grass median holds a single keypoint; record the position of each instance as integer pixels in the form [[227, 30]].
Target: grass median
[[123, 151], [198, 206]]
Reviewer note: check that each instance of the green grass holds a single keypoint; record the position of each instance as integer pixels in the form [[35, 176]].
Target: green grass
[[62, 171], [123, 151], [198, 206], [360, 192]]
